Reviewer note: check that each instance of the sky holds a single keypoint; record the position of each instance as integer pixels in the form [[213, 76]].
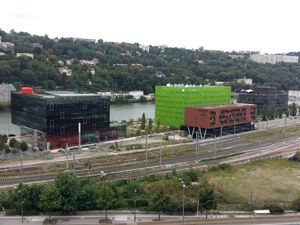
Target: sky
[[269, 26]]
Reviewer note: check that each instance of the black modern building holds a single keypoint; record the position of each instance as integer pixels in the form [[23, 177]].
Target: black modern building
[[265, 97], [54, 117]]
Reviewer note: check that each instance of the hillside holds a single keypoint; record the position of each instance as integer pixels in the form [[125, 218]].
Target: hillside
[[98, 66]]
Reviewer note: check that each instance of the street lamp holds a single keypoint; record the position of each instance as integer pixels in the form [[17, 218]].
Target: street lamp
[[134, 200], [183, 186], [22, 202]]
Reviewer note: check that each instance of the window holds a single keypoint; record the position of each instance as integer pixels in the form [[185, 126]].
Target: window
[[105, 105], [84, 105], [62, 115], [94, 126], [105, 118], [84, 120], [62, 130], [51, 123], [94, 114], [51, 107]]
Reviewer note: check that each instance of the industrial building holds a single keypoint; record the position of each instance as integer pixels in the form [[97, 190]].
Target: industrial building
[[265, 97], [170, 101], [219, 119], [273, 59], [60, 118]]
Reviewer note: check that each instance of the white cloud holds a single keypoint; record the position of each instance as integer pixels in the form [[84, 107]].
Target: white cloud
[[265, 25]]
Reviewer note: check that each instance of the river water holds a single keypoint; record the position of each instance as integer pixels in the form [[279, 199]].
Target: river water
[[117, 113]]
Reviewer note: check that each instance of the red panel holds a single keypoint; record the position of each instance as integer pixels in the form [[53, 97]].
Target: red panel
[[224, 115], [27, 90]]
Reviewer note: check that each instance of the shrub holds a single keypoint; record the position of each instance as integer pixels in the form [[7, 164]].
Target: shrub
[[13, 143], [296, 157], [275, 208], [23, 146], [296, 205]]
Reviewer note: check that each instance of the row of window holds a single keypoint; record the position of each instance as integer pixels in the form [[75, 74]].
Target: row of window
[[62, 130], [84, 121], [84, 105]]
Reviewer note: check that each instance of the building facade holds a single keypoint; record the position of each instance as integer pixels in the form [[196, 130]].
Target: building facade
[[273, 59], [294, 97], [5, 90], [231, 118], [170, 101], [54, 117], [265, 97]]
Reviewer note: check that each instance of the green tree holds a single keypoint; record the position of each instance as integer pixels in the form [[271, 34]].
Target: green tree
[[150, 124], [296, 205], [67, 186], [160, 201], [23, 146], [50, 199], [13, 143], [88, 194], [207, 199], [143, 122], [107, 198], [292, 109]]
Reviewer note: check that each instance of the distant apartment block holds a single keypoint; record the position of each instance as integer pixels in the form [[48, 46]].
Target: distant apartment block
[[145, 48], [247, 81], [6, 45], [273, 59], [294, 97], [5, 90], [65, 70], [30, 55], [137, 94]]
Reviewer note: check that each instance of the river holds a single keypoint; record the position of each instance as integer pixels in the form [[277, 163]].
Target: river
[[117, 113]]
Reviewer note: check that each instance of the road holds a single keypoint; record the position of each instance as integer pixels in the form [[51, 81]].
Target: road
[[149, 219]]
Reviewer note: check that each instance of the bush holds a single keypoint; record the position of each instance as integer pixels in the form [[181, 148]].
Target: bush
[[296, 157], [23, 146], [13, 143], [14, 151], [6, 149], [296, 205], [190, 176], [275, 208]]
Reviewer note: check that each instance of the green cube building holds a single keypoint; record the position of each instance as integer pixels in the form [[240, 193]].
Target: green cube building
[[170, 101]]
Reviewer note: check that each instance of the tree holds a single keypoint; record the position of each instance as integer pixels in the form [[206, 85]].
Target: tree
[[150, 124], [296, 205], [292, 109], [66, 184], [107, 199], [160, 201], [13, 143], [207, 199], [50, 199], [23, 146], [143, 122]]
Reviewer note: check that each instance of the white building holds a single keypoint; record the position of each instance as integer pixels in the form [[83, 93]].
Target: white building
[[273, 59], [145, 48], [247, 81], [65, 70], [6, 45], [294, 97], [30, 55], [137, 94], [5, 90]]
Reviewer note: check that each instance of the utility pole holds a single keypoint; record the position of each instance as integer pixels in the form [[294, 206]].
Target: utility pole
[[134, 218], [160, 155], [79, 136], [67, 156], [146, 150], [74, 162], [21, 185], [197, 146], [183, 186]]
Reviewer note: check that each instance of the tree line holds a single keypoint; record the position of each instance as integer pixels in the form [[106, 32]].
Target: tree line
[[68, 194], [177, 65]]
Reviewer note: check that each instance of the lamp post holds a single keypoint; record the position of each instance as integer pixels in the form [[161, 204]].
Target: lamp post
[[134, 201], [183, 186]]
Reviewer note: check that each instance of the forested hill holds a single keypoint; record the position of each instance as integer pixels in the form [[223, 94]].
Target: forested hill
[[124, 66]]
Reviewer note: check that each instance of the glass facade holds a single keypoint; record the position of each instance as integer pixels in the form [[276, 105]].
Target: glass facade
[[58, 116]]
